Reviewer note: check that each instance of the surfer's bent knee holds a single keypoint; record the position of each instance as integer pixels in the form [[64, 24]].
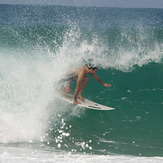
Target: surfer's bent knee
[[67, 88]]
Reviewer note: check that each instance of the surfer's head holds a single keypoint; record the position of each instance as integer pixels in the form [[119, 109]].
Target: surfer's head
[[92, 69]]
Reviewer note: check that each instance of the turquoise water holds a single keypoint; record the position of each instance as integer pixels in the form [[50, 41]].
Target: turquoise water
[[39, 44]]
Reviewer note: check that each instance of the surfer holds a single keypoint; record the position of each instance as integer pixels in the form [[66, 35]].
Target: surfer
[[81, 81]]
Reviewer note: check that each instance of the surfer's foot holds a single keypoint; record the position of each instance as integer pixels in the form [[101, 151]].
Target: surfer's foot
[[81, 98], [76, 103]]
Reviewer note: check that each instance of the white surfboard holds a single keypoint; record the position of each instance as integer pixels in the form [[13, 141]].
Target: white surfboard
[[87, 104]]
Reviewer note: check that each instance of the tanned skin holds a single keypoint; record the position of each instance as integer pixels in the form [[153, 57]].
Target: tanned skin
[[82, 81]]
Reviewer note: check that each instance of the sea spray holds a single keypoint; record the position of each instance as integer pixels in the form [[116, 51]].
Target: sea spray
[[24, 98]]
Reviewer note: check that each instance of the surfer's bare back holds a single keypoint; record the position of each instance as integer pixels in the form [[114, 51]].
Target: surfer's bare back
[[81, 81]]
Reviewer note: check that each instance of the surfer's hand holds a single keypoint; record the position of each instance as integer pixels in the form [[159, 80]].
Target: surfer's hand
[[107, 85]]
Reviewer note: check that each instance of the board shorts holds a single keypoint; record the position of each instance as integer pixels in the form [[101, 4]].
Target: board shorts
[[70, 78], [67, 80]]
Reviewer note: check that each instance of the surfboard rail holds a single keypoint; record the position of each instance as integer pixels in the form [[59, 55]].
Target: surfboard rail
[[87, 104]]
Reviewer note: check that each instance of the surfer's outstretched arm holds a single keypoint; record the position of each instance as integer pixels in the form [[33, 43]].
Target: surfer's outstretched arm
[[100, 81]]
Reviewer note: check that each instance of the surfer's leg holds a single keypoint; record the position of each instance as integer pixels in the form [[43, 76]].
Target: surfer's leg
[[83, 84], [67, 88]]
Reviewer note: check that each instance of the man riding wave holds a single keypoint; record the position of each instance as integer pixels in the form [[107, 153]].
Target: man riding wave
[[79, 74]]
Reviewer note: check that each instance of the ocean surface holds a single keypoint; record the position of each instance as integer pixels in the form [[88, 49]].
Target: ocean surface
[[38, 46]]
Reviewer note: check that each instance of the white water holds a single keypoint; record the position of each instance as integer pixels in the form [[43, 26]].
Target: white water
[[19, 155]]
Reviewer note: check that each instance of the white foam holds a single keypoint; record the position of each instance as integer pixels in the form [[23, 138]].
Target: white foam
[[18, 155], [27, 88]]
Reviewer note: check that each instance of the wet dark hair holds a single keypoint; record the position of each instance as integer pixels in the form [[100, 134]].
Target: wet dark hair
[[93, 68]]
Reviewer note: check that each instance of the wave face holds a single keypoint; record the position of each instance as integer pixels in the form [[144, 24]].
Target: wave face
[[38, 45]]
